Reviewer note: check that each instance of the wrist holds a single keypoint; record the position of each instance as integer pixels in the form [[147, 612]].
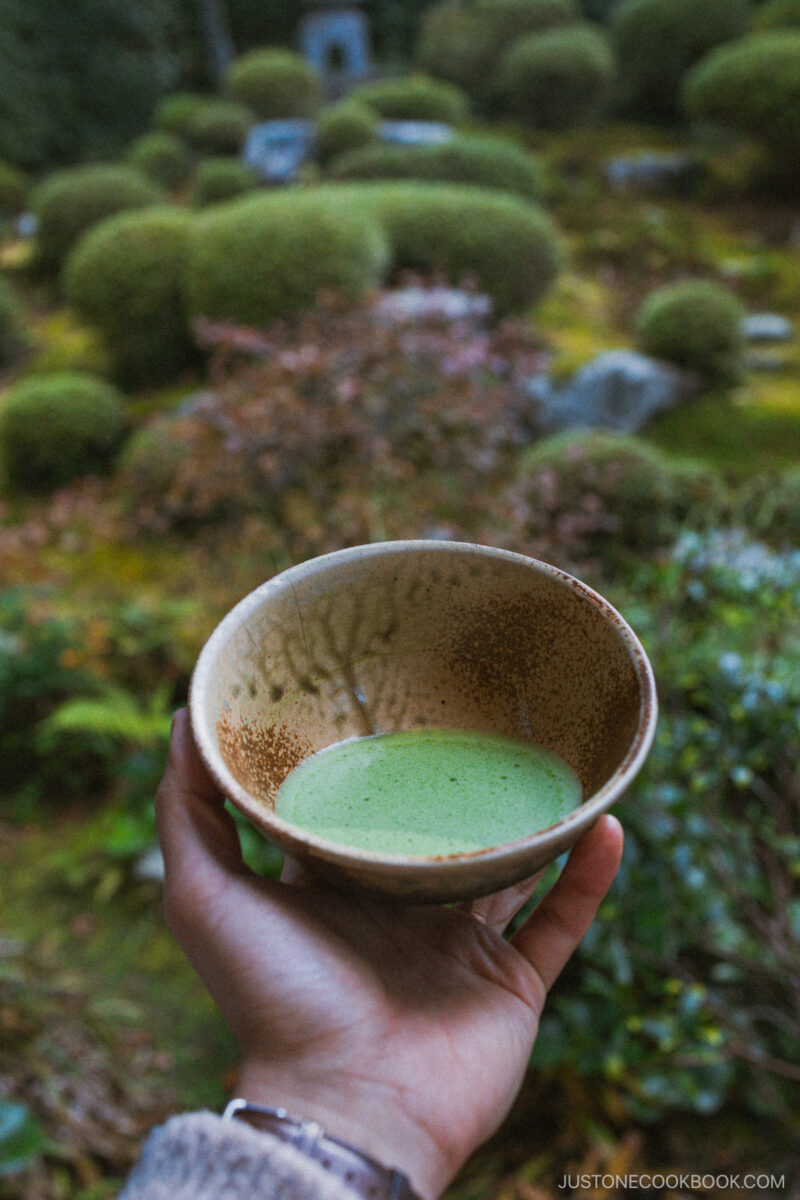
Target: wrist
[[376, 1126]]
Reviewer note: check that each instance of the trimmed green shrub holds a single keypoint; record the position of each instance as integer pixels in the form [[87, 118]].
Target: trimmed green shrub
[[175, 113], [219, 179], [753, 86], [770, 507], [610, 494], [127, 277], [778, 14], [57, 427], [695, 324], [274, 84], [657, 41], [13, 190], [485, 161], [162, 157], [219, 127], [557, 79], [70, 202], [414, 98], [506, 246], [463, 44], [10, 325], [343, 127], [269, 256]]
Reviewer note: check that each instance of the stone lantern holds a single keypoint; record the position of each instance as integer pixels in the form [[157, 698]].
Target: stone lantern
[[334, 39]]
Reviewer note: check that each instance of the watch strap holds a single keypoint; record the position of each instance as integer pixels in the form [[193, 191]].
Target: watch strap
[[364, 1175]]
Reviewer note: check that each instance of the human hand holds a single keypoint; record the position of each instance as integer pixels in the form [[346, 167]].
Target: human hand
[[403, 1030]]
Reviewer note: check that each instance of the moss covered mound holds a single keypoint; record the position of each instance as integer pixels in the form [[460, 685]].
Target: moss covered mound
[[57, 427]]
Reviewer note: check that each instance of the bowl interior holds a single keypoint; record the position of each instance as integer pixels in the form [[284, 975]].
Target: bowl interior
[[401, 636]]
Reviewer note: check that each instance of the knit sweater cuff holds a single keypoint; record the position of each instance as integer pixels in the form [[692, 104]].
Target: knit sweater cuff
[[198, 1156]]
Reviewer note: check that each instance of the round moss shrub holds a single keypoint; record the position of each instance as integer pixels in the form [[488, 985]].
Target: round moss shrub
[[414, 98], [696, 324], [612, 495], [275, 84], [163, 157], [463, 44], [175, 113], [778, 14], [13, 190], [269, 256], [753, 86], [557, 79], [57, 427], [484, 161], [506, 246], [657, 41], [218, 179], [11, 341], [70, 202], [219, 127], [127, 278], [344, 127]]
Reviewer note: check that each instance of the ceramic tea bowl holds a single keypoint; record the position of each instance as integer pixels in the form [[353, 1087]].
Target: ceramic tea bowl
[[407, 635]]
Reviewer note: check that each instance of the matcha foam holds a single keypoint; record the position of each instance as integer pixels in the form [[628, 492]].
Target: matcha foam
[[428, 792]]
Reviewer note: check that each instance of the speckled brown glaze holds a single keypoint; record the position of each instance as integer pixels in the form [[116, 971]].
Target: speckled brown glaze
[[403, 635]]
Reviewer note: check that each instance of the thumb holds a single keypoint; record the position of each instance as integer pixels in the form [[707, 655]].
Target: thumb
[[198, 836]]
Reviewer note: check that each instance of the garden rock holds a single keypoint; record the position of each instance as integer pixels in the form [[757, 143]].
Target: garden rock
[[619, 390], [668, 173], [767, 327], [276, 150], [414, 305], [416, 133]]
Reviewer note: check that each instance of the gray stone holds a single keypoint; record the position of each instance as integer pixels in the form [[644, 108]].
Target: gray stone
[[336, 43], [27, 225], [654, 171], [150, 865], [415, 305], [767, 327], [415, 133], [277, 149], [619, 390]]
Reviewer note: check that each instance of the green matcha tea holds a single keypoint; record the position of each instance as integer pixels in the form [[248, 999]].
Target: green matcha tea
[[428, 791]]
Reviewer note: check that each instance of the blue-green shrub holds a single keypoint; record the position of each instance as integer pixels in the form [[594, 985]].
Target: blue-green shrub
[[56, 427], [127, 278], [665, 1001]]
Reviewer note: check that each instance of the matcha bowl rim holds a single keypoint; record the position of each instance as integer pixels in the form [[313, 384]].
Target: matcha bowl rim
[[434, 878]]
